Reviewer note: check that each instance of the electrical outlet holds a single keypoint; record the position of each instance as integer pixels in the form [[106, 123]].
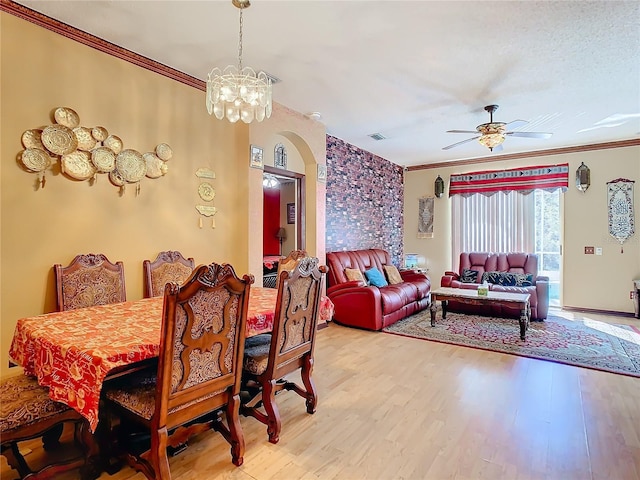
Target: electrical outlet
[[598, 250], [631, 295], [589, 250]]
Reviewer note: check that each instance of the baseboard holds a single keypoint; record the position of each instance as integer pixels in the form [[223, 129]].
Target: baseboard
[[595, 310]]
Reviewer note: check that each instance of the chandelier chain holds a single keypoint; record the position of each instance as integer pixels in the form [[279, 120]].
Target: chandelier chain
[[240, 43]]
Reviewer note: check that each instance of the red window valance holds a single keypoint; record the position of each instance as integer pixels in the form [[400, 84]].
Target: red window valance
[[545, 177]]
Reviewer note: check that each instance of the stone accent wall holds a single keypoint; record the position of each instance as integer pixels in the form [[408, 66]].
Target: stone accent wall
[[364, 201]]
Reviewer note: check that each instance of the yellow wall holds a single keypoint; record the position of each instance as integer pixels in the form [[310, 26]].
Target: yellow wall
[[590, 281], [40, 71]]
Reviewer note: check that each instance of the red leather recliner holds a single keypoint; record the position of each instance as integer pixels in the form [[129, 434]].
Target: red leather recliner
[[500, 262], [369, 307]]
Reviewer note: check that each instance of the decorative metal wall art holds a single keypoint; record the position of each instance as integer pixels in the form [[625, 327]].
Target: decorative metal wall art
[[85, 152], [621, 215], [280, 156], [207, 193]]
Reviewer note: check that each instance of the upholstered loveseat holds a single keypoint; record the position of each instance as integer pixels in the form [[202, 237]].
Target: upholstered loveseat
[[360, 304], [504, 272]]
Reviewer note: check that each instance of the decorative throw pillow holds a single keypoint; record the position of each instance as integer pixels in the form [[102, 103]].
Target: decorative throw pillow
[[354, 274], [508, 279], [393, 275], [375, 277], [469, 276]]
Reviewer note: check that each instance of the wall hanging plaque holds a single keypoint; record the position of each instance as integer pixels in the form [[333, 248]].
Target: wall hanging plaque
[[99, 133], [103, 159], [207, 193], [114, 143], [35, 159], [85, 139], [164, 152], [77, 165], [84, 152], [154, 165], [59, 139], [131, 165], [67, 117], [32, 139], [620, 203]]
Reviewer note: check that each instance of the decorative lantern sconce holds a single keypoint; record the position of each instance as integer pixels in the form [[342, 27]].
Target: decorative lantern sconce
[[439, 187], [583, 177]]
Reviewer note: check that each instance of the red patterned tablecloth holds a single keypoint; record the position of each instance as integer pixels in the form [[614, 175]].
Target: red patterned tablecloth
[[72, 352]]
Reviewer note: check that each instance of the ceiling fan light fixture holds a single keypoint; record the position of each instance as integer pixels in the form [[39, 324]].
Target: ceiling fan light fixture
[[491, 140], [236, 92]]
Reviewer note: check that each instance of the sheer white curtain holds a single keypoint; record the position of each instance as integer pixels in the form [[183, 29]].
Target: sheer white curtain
[[502, 222]]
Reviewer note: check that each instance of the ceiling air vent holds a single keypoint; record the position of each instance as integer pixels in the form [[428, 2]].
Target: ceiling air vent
[[377, 136], [273, 78]]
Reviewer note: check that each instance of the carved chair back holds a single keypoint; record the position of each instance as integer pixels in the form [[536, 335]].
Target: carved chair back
[[291, 347], [199, 368], [89, 280], [169, 266], [289, 262], [296, 317]]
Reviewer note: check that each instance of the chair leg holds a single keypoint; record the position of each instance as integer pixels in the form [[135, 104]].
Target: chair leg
[[271, 408], [312, 393], [158, 453], [51, 438], [235, 430], [15, 459]]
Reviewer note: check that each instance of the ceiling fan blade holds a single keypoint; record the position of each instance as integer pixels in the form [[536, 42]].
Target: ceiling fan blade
[[460, 143], [499, 148], [530, 134], [462, 131], [515, 124]]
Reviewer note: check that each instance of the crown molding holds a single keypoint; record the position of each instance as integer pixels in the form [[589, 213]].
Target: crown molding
[[539, 153], [99, 44]]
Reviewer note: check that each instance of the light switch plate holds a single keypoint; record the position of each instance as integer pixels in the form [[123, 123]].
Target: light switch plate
[[588, 250], [598, 251]]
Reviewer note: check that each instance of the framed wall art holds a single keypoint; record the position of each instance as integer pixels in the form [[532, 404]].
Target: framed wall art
[[322, 173], [291, 213], [256, 157]]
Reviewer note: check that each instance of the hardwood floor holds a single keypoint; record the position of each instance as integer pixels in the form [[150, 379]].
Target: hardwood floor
[[392, 407]]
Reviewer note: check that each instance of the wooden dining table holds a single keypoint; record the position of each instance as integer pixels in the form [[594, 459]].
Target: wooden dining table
[[73, 352]]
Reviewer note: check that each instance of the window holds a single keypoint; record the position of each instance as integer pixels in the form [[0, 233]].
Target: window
[[511, 222]]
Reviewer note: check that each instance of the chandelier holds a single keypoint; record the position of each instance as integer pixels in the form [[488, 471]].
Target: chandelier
[[270, 181], [237, 92]]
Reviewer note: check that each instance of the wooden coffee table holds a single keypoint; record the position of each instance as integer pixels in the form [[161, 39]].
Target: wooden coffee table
[[519, 300]]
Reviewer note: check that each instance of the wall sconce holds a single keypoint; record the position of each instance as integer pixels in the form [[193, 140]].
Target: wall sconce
[[583, 177], [439, 187]]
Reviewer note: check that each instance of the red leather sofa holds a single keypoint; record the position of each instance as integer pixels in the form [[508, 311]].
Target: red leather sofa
[[369, 307], [481, 262]]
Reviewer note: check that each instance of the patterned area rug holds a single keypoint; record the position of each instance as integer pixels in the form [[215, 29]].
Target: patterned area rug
[[585, 343]]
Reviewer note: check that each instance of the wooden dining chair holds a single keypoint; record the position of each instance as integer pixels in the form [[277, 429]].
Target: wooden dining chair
[[289, 262], [169, 266], [198, 376], [27, 412], [89, 280], [291, 347]]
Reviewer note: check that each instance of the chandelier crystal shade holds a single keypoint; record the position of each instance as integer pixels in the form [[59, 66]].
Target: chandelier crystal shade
[[236, 92]]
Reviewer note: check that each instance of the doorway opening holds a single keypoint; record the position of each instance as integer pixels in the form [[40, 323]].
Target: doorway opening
[[283, 218]]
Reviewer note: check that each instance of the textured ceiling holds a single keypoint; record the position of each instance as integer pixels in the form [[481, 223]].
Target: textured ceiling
[[410, 70]]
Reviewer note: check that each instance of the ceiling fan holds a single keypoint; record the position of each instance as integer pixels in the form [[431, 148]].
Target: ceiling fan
[[492, 134]]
